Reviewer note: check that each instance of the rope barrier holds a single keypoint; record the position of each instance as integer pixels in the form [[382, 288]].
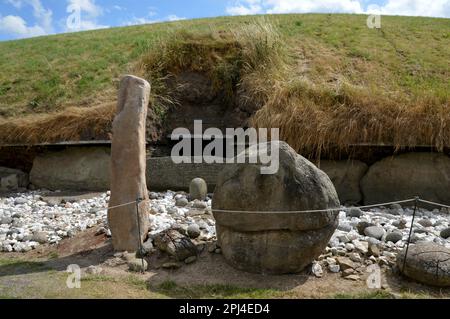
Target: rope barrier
[[313, 211], [433, 203], [416, 200], [302, 211], [112, 207]]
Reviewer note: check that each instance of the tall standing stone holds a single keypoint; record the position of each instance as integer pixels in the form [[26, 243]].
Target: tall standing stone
[[128, 161]]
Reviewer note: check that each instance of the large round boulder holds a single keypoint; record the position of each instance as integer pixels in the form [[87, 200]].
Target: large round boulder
[[408, 175], [426, 262], [346, 177], [257, 226]]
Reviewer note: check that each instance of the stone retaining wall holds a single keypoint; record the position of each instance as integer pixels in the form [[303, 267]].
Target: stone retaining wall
[[393, 178]]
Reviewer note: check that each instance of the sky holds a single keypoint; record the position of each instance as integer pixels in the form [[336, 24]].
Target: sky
[[30, 18]]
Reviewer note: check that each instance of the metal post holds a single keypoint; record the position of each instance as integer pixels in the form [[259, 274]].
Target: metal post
[[416, 200], [138, 201]]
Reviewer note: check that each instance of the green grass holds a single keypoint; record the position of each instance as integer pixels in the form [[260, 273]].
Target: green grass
[[378, 294], [339, 82], [173, 290], [48, 73]]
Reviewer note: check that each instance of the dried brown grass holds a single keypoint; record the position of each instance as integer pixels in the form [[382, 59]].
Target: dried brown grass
[[71, 124]]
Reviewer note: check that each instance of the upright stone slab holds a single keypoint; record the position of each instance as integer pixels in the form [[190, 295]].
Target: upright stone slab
[[128, 163]]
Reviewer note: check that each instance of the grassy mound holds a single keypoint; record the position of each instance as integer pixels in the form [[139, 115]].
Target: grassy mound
[[327, 81]]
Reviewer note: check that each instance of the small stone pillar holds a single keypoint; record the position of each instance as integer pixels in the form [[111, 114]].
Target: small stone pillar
[[128, 161]]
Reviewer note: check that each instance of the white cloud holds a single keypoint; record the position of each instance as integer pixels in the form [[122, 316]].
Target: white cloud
[[44, 16], [15, 3], [148, 20], [15, 25], [138, 21], [174, 17], [89, 14], [436, 8], [87, 6]]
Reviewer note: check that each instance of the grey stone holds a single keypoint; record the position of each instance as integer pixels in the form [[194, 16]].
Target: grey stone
[[190, 260], [40, 237], [6, 220], [12, 179], [198, 204], [175, 244], [137, 265], [345, 263], [374, 250], [147, 247], [346, 177], [354, 212], [172, 210], [352, 277], [75, 168], [362, 226], [171, 265], [153, 195], [406, 176], [317, 270], [361, 246], [181, 202], [345, 227], [193, 231], [272, 242], [376, 232], [400, 224], [426, 262], [445, 233], [198, 189], [394, 236], [334, 268], [373, 241], [425, 222], [20, 201]]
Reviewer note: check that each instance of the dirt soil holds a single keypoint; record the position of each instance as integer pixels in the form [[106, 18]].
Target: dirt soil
[[42, 273]]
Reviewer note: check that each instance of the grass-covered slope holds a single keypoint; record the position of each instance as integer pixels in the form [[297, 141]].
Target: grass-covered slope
[[326, 80]]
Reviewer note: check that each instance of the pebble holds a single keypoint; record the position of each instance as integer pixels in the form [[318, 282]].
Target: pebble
[[394, 236], [374, 250], [171, 265], [376, 232], [181, 202], [137, 265], [355, 212], [317, 270], [345, 263], [346, 227], [352, 277], [40, 237], [190, 260], [334, 268], [445, 233], [361, 226], [193, 231], [425, 222]]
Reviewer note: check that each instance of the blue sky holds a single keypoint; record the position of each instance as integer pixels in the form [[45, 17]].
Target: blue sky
[[28, 18]]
